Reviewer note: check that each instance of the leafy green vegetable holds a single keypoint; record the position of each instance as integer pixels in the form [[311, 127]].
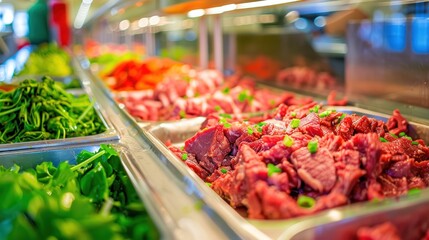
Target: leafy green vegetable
[[44, 110], [305, 201], [92, 200], [47, 60], [273, 169]]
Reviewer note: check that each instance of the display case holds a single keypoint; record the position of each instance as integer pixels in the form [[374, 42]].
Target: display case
[[261, 72]]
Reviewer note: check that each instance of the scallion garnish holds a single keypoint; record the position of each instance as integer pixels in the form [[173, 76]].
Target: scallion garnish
[[182, 114], [305, 201], [382, 139], [315, 109], [287, 141], [295, 123], [312, 146], [273, 169], [184, 156]]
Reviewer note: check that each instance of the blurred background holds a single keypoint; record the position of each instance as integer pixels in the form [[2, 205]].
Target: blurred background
[[308, 46]]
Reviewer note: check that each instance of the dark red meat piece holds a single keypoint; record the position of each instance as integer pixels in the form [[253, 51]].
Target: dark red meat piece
[[317, 169], [210, 147]]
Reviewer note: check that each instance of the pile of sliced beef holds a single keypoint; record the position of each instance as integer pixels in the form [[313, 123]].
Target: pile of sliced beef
[[357, 159], [201, 93]]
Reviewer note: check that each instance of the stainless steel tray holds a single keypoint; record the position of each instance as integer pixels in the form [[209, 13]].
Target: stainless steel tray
[[405, 215], [177, 132], [109, 135], [30, 158]]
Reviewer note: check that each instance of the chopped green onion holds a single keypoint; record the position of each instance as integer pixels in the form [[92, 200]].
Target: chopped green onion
[[287, 141], [225, 115], [393, 135], [342, 117], [382, 139], [409, 138], [293, 114], [217, 108], [315, 109], [295, 123], [313, 146], [326, 113], [413, 192], [182, 114], [250, 130], [226, 90], [224, 122], [273, 169], [209, 184], [259, 126], [305, 201], [402, 134], [415, 143], [244, 95], [223, 170], [184, 156]]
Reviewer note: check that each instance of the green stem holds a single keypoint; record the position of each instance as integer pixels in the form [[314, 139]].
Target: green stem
[[85, 112], [10, 111], [88, 161]]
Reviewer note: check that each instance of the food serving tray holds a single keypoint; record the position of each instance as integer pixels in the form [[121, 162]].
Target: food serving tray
[[109, 135], [30, 158], [296, 228]]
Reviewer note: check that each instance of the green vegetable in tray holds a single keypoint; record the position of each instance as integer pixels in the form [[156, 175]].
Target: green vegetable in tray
[[44, 110], [91, 200], [47, 60]]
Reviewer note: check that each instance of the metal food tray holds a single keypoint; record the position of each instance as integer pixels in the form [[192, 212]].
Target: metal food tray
[[109, 135], [30, 158], [295, 228]]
